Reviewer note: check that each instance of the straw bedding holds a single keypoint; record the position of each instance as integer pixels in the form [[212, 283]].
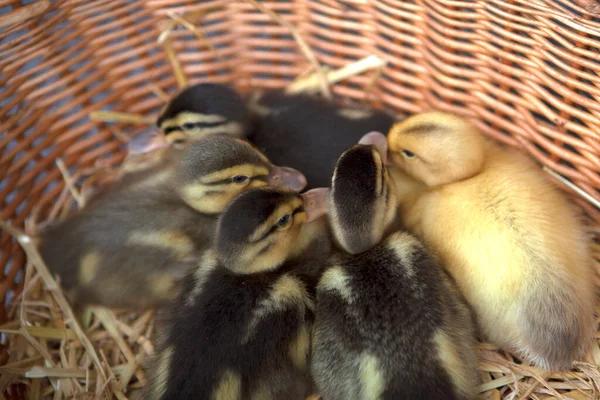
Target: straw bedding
[[48, 352]]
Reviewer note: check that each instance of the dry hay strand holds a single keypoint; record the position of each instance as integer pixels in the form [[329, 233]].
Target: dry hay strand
[[54, 353], [101, 353]]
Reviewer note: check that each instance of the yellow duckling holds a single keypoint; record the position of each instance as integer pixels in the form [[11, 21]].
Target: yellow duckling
[[512, 241]]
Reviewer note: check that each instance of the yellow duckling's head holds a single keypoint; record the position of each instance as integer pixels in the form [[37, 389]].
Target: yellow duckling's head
[[436, 148]]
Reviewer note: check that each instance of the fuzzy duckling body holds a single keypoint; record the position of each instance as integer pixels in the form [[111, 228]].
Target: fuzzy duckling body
[[512, 242], [309, 134], [241, 327], [204, 109], [132, 243], [389, 323], [298, 131]]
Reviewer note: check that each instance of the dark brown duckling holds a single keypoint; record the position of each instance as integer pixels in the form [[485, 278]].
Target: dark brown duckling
[[241, 327], [390, 324], [308, 133], [204, 109]]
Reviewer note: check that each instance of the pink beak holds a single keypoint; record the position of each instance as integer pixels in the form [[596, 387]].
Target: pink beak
[[315, 203], [146, 142], [378, 140], [288, 178]]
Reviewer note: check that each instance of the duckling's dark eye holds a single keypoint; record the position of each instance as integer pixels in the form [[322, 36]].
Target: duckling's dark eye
[[284, 221], [408, 154], [239, 179], [189, 125]]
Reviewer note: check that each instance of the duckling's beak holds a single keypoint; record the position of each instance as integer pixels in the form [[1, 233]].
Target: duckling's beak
[[288, 178], [146, 142], [315, 203], [378, 140]]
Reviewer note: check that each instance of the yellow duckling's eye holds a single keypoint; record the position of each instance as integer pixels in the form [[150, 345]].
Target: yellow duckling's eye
[[408, 154], [239, 179], [188, 126], [284, 221]]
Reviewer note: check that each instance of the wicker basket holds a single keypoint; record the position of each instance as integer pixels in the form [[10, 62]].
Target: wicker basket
[[526, 71]]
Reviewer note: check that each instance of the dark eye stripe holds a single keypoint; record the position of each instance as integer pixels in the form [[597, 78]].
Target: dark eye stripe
[[228, 180], [192, 125], [298, 210], [216, 183], [267, 233], [263, 178], [171, 129], [275, 227], [265, 249]]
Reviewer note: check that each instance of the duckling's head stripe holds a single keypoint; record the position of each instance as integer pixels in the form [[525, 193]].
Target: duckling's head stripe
[[423, 129], [192, 121], [206, 99], [217, 153], [247, 213]]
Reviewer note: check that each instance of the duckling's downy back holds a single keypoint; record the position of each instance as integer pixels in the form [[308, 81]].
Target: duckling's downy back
[[130, 245], [389, 323], [241, 327], [308, 133], [512, 241]]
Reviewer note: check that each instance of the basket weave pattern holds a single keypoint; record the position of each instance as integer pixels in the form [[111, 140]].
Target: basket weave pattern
[[526, 71]]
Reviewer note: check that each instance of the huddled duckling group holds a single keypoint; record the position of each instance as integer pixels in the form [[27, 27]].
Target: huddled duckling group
[[373, 284]]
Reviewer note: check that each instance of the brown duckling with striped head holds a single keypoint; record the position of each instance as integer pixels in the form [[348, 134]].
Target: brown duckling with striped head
[[132, 243]]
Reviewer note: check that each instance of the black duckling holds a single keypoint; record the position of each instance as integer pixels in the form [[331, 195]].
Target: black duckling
[[309, 133], [131, 243], [389, 322], [203, 109], [241, 327]]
